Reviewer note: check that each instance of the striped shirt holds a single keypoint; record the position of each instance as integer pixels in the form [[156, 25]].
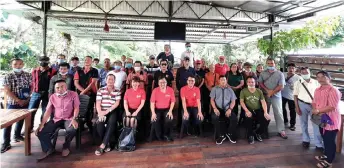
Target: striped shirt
[[329, 96], [107, 99]]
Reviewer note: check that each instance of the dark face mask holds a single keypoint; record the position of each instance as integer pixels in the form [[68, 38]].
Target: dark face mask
[[43, 64]]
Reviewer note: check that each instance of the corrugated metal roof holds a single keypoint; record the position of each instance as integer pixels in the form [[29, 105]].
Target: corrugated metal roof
[[218, 21]]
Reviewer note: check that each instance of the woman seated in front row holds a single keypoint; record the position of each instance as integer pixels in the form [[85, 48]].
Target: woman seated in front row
[[162, 103], [108, 99], [134, 100]]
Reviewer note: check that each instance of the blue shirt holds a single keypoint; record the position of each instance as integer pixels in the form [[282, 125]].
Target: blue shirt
[[272, 80], [72, 70], [182, 76], [102, 76]]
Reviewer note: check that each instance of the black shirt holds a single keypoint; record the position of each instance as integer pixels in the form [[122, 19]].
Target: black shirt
[[168, 75], [182, 76], [169, 58], [201, 73], [43, 82], [86, 78]]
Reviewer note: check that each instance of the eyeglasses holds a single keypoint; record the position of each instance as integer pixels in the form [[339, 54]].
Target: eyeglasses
[[163, 64]]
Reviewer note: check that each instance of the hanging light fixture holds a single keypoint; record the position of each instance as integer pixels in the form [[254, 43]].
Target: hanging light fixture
[[106, 26]]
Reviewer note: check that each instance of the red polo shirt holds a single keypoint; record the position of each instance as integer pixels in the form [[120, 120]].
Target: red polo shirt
[[221, 70], [163, 100], [191, 95], [134, 98]]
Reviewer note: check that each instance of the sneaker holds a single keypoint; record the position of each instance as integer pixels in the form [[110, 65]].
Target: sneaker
[[220, 140], [259, 138], [5, 147], [230, 138], [305, 144], [19, 138], [251, 140], [292, 127], [168, 138]]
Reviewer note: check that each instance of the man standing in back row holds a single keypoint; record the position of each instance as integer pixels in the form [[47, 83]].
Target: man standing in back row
[[221, 68], [188, 53], [272, 82]]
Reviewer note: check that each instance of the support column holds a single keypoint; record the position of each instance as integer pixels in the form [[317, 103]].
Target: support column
[[100, 49], [46, 7]]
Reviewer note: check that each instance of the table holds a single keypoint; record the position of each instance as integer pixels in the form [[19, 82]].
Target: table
[[340, 133], [11, 116]]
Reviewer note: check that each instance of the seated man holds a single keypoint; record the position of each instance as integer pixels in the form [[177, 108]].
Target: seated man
[[253, 103], [162, 103], [222, 99], [108, 99], [65, 105], [191, 103]]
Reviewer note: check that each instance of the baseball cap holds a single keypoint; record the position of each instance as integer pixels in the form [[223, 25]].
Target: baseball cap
[[198, 62], [222, 57], [151, 57]]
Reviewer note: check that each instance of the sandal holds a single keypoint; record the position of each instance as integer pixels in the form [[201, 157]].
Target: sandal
[[99, 151], [324, 164], [321, 158], [107, 149], [284, 136]]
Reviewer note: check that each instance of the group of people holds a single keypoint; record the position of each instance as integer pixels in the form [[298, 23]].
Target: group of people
[[143, 97]]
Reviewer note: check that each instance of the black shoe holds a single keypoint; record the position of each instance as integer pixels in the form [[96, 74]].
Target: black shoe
[[321, 149], [251, 140], [220, 140], [259, 138], [19, 138], [168, 138], [286, 124], [292, 127], [305, 144], [230, 138], [5, 147]]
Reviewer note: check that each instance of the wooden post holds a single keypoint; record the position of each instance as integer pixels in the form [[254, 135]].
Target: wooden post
[[27, 140]]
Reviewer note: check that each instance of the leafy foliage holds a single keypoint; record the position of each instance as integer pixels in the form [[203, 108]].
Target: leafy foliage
[[314, 34]]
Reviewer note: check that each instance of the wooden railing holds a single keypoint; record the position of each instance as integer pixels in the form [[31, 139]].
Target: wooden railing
[[334, 64]]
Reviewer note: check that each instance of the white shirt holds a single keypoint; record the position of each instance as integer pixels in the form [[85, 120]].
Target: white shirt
[[191, 55], [301, 92], [121, 77], [287, 91]]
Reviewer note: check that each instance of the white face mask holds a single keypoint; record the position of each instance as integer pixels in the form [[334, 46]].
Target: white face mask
[[306, 77], [63, 94], [137, 68], [251, 87], [63, 74]]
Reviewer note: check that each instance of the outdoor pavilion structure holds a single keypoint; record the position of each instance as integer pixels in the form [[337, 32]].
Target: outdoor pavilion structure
[[220, 22]]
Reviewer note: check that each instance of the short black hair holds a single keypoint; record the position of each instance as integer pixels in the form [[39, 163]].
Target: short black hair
[[162, 77], [74, 58], [192, 76], [16, 59], [136, 79], [187, 43], [291, 65], [64, 64], [96, 59], [43, 59], [138, 62], [89, 56], [60, 81], [325, 73], [270, 59], [250, 77], [110, 74], [163, 60], [62, 55]]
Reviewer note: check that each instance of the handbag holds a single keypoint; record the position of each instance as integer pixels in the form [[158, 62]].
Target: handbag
[[316, 119], [126, 141]]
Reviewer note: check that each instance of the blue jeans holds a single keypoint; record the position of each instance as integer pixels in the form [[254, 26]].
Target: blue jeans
[[329, 137], [17, 130], [35, 100], [306, 112]]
